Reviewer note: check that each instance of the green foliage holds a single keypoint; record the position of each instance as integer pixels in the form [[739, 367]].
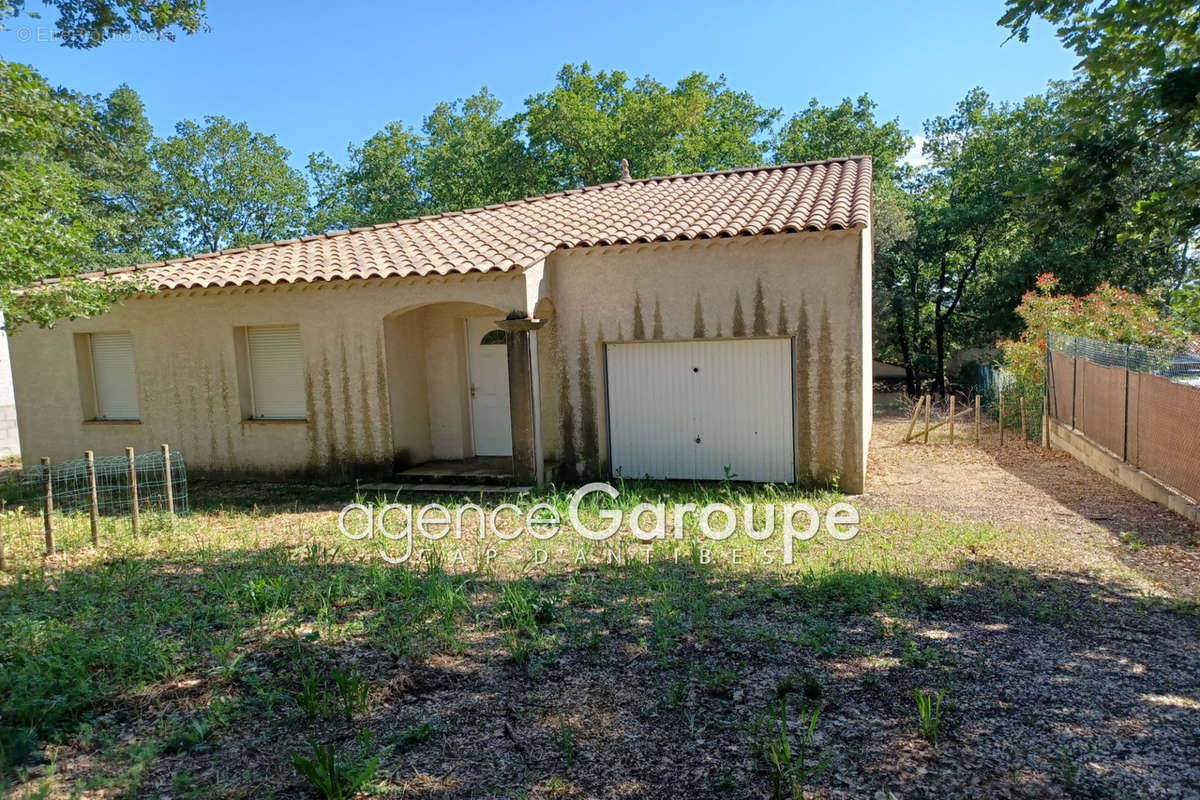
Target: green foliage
[[582, 128], [1147, 50], [929, 714], [229, 186], [1185, 305], [790, 763], [332, 775], [1133, 115], [45, 226], [84, 24], [1108, 314], [847, 129]]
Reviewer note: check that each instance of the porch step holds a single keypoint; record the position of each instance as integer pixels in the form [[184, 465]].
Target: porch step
[[445, 488]]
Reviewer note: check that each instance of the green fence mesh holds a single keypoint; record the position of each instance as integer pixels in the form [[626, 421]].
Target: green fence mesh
[[72, 492]]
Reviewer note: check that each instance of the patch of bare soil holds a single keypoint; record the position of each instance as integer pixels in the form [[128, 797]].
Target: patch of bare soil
[[1046, 493]]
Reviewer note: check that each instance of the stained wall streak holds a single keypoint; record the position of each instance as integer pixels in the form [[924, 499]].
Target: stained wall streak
[[350, 424], [804, 409], [739, 318], [313, 429], [383, 434], [329, 421], [698, 319], [569, 457], [760, 309], [210, 398], [658, 321], [826, 422], [639, 325], [231, 414], [366, 416], [589, 431]]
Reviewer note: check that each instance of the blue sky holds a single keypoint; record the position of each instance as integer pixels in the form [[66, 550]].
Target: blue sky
[[322, 74]]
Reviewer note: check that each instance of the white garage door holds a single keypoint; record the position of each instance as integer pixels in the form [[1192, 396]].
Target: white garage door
[[691, 409]]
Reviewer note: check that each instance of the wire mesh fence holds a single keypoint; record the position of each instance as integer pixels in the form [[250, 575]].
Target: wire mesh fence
[[1138, 403], [1017, 406], [71, 484]]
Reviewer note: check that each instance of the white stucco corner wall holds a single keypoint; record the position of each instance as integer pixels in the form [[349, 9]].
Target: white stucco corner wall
[[10, 442]]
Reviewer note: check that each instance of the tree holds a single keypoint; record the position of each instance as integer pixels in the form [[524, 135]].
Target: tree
[[968, 230], [85, 24], [229, 186], [581, 129], [1139, 89], [383, 181], [1108, 314], [45, 230], [124, 197], [471, 156], [850, 128], [847, 129]]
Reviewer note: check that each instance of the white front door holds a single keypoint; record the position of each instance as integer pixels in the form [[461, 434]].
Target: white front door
[[487, 356]]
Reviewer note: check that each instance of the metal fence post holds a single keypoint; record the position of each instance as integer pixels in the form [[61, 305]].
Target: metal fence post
[[48, 506], [1125, 443], [977, 406], [1074, 378], [1000, 415], [170, 492], [95, 496], [134, 517]]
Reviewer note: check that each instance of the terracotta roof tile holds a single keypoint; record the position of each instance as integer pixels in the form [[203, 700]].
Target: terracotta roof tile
[[828, 195]]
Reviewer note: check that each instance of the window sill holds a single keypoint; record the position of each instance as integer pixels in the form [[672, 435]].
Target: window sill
[[112, 422], [274, 421]]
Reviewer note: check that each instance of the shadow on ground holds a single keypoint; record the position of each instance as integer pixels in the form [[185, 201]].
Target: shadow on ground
[[163, 677]]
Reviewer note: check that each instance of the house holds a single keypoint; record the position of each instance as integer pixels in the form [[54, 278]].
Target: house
[[697, 326]]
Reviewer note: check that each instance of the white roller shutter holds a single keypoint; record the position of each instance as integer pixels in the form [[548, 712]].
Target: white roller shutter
[[690, 409], [114, 377], [276, 363]]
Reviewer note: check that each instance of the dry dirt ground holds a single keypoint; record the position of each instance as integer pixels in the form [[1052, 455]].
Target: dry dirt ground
[[1060, 625], [1025, 486]]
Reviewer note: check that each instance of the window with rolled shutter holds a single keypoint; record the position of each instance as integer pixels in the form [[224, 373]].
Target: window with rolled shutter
[[276, 364], [113, 376]]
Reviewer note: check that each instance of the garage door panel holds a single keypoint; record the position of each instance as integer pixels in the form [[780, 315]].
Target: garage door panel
[[688, 409]]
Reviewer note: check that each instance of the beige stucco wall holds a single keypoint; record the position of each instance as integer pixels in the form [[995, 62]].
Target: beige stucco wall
[[809, 286], [386, 373], [188, 389]]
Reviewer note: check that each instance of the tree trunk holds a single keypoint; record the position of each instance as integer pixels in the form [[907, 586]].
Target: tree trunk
[[939, 378]]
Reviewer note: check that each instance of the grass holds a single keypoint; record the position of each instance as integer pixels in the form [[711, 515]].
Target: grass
[[929, 714], [254, 614]]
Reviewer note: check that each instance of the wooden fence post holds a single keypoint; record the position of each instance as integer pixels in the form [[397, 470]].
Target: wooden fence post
[[95, 496], [134, 517], [912, 423], [927, 404], [951, 419], [48, 507], [977, 421], [1001, 416], [1024, 427], [170, 490]]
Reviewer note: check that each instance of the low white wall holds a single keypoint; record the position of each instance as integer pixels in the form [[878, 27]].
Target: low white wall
[[1101, 460]]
